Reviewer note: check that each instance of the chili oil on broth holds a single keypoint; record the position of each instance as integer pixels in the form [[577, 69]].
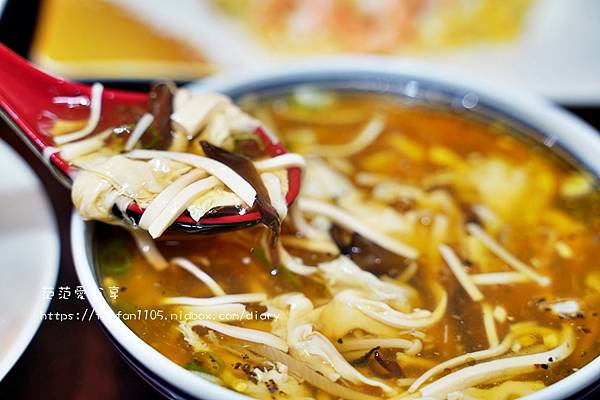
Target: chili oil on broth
[[546, 217]]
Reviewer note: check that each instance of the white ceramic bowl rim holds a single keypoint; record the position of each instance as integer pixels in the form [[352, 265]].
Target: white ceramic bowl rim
[[558, 126]]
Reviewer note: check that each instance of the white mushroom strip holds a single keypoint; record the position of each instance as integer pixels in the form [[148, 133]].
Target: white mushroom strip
[[563, 309], [293, 307], [88, 194], [308, 345], [342, 274], [193, 269], [320, 181], [181, 98], [489, 325], [136, 179], [178, 204], [348, 320], [370, 178], [458, 270], [305, 243], [223, 123], [419, 362], [239, 121], [295, 264], [192, 338], [219, 196], [342, 165], [490, 218], [110, 199], [498, 278], [307, 373], [500, 314], [390, 191], [278, 374], [307, 229], [463, 359], [381, 312], [311, 346], [409, 272], [276, 193], [347, 221], [507, 257], [140, 128], [379, 217], [217, 131], [228, 176], [210, 301], [122, 203], [364, 138], [193, 115], [251, 335], [284, 161], [70, 151], [439, 228], [404, 382], [500, 369], [94, 118], [161, 201], [148, 248]]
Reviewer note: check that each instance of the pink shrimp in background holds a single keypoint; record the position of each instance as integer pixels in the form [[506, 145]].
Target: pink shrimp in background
[[347, 25], [378, 26]]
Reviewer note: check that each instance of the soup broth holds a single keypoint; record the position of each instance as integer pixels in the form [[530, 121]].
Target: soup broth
[[507, 236]]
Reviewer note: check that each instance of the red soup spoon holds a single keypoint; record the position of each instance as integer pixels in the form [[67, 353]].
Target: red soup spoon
[[30, 98]]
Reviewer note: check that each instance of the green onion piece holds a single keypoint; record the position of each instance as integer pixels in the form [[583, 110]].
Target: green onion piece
[[114, 258], [195, 366]]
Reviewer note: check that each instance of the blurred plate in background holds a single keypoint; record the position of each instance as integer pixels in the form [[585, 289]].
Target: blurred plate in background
[[550, 47], [29, 256]]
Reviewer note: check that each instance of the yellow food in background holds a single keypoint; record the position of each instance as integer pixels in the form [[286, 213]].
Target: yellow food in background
[[486, 20], [85, 39]]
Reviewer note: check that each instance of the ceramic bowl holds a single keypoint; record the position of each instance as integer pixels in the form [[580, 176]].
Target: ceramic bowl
[[530, 116]]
